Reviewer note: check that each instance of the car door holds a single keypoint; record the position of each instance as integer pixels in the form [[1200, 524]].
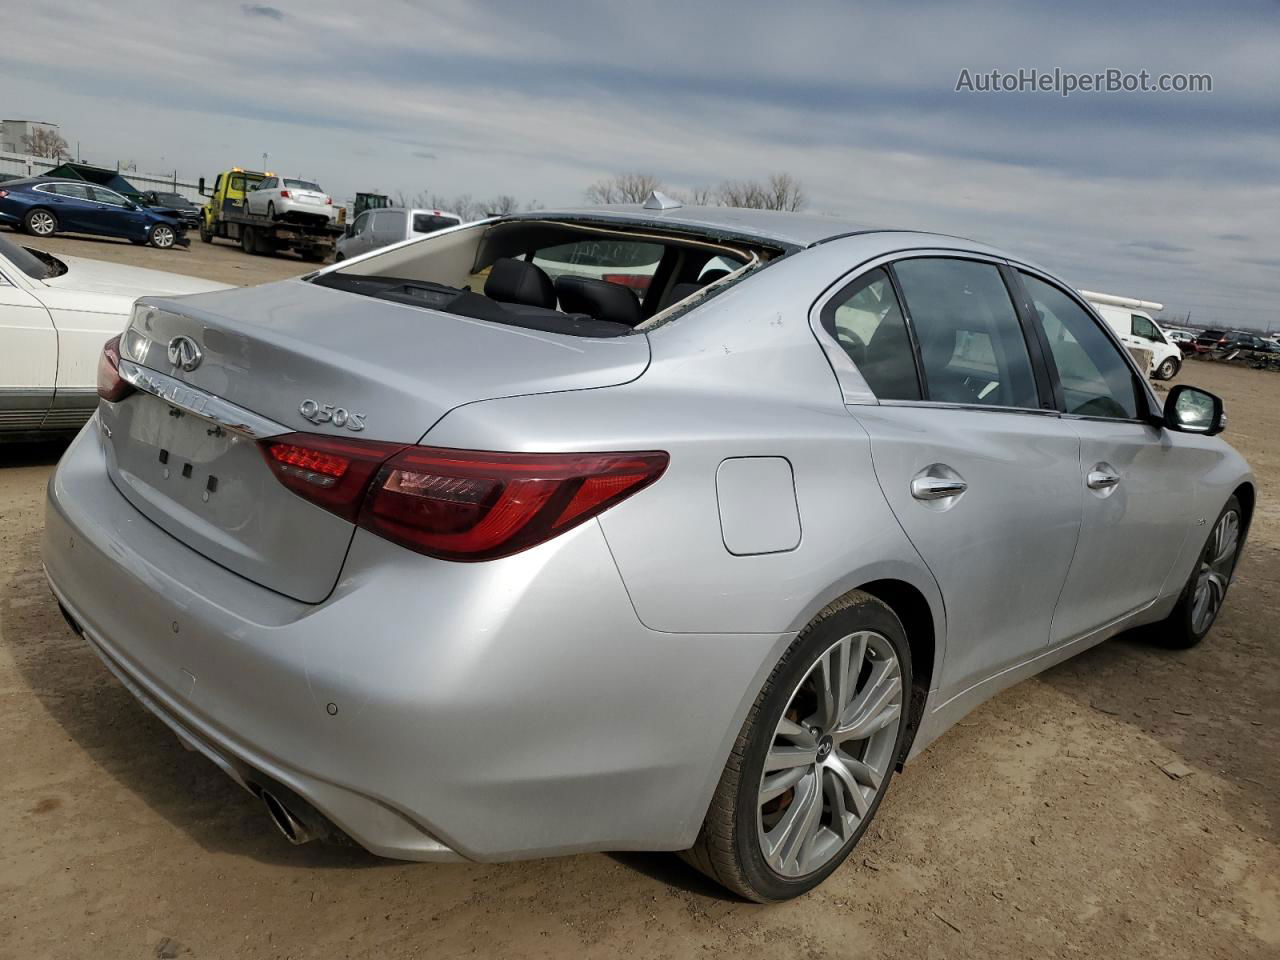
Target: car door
[[982, 477], [360, 240], [116, 215], [72, 205], [28, 353], [1138, 484], [389, 226]]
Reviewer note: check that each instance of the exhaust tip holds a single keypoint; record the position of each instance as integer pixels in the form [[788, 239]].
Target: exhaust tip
[[294, 830]]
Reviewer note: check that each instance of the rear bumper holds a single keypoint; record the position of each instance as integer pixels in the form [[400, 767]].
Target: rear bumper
[[431, 710]]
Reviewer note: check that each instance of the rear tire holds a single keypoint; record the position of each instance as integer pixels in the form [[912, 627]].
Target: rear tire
[[756, 839], [271, 210], [248, 241], [40, 222], [1202, 598], [1168, 370]]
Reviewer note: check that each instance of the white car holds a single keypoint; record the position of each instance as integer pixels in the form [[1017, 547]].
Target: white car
[[374, 229], [283, 199], [55, 315], [1127, 316]]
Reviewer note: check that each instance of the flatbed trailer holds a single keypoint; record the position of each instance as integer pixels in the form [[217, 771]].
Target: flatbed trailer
[[225, 216], [262, 235]]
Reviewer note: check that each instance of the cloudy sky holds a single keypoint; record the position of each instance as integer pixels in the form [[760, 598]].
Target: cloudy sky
[[1167, 196]]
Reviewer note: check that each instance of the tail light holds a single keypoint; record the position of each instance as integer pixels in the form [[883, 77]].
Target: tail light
[[331, 472], [638, 282], [112, 386], [284, 194], [329, 201], [458, 504], [3, 194]]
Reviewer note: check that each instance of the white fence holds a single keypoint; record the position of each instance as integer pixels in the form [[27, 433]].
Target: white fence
[[23, 165]]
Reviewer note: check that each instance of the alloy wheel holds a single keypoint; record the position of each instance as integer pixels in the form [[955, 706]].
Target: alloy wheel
[[830, 754], [42, 224], [1214, 575], [162, 237]]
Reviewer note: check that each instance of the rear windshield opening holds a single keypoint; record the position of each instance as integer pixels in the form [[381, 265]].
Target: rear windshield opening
[[546, 275]]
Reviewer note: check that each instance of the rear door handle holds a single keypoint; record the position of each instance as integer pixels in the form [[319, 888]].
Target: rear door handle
[[1101, 477], [937, 488]]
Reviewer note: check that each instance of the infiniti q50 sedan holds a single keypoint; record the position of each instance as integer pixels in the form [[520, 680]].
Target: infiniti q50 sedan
[[461, 558]]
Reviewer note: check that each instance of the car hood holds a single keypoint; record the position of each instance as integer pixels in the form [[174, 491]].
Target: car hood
[[94, 282]]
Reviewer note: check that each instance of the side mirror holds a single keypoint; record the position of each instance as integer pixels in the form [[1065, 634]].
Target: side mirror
[[130, 205], [200, 188], [1192, 410], [349, 230]]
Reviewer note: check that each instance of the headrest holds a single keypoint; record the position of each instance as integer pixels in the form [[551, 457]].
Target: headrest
[[599, 299], [682, 290], [518, 281]]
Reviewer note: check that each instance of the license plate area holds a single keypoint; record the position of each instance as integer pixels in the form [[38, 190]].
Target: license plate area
[[211, 488]]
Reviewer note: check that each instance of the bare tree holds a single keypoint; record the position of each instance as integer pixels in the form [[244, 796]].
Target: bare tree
[[784, 192], [43, 142], [503, 203], [780, 192], [623, 188], [697, 196]]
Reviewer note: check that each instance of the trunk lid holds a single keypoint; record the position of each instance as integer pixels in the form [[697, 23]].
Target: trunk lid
[[268, 350]]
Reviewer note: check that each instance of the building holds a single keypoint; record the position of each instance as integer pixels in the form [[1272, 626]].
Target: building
[[14, 132]]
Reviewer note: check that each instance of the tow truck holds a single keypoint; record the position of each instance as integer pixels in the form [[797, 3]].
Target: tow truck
[[227, 215]]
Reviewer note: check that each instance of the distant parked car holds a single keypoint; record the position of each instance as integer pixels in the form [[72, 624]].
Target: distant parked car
[[1215, 339], [1249, 341], [43, 207], [55, 315], [283, 199], [373, 229], [186, 211]]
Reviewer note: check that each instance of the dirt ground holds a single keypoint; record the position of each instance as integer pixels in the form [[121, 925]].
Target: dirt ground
[[221, 260], [1042, 826]]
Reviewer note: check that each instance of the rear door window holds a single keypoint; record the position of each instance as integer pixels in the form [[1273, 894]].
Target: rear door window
[[867, 321], [430, 222], [1096, 379], [971, 342]]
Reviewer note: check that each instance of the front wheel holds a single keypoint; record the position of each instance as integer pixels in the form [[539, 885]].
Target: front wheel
[[40, 223], [1206, 590], [162, 236], [1167, 370], [271, 210], [814, 757]]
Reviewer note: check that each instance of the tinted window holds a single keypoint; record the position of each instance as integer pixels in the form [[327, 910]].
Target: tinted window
[[1096, 379], [76, 191], [24, 260], [866, 320], [429, 222], [103, 195], [971, 343], [362, 222]]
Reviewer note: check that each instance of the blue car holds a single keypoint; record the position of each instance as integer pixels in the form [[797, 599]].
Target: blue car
[[43, 206]]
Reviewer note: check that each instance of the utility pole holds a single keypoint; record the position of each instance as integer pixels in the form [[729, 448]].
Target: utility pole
[[264, 162]]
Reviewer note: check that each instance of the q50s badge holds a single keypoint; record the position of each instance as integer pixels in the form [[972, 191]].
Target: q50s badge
[[328, 413]]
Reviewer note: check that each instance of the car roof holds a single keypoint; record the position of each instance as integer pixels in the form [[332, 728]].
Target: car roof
[[789, 230]]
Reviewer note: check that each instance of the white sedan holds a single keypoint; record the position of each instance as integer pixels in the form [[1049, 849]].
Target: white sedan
[[55, 315], [283, 199]]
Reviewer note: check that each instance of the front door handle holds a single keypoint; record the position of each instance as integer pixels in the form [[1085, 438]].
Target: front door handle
[[1101, 477], [937, 488]]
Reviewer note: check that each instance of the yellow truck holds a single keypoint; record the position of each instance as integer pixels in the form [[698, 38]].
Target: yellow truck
[[226, 215]]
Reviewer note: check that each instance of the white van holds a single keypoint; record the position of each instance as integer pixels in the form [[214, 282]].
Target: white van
[[1129, 318]]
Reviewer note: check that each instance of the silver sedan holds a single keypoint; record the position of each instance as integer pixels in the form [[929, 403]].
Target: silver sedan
[[464, 557]]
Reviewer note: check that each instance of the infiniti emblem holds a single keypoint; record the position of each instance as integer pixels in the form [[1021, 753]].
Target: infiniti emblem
[[184, 353]]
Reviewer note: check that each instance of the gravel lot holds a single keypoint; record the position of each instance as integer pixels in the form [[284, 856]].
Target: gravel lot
[[1042, 826]]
